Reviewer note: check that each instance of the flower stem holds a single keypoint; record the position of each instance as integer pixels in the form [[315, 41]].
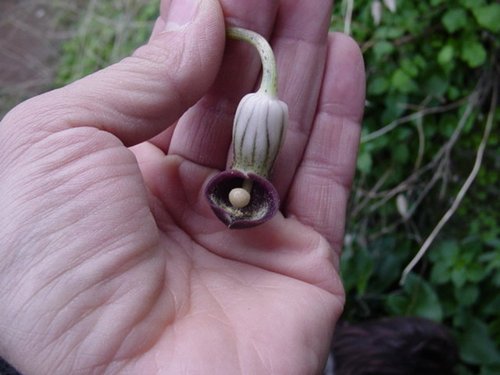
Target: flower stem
[[269, 83]]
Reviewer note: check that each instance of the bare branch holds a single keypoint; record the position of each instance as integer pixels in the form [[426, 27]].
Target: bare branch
[[461, 194]]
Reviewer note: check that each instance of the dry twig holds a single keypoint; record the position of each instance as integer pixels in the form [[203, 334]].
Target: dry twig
[[463, 190]]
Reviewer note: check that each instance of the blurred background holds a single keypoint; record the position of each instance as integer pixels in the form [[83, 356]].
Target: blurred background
[[427, 179]]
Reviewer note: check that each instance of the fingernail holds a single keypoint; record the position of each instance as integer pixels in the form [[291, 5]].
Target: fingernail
[[181, 13]]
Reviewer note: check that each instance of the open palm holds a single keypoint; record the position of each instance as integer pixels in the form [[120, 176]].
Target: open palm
[[112, 261]]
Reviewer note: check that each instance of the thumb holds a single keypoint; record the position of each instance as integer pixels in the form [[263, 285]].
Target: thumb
[[141, 95]]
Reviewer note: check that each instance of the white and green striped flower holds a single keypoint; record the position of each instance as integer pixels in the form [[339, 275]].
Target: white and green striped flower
[[243, 196], [258, 132]]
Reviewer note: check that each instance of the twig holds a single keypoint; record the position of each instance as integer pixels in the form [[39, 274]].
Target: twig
[[348, 17], [461, 194], [368, 195], [437, 159], [438, 165], [414, 116], [421, 143]]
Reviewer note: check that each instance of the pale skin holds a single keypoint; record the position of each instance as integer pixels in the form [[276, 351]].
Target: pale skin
[[111, 260]]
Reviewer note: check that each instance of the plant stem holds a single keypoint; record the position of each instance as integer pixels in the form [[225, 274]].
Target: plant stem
[[269, 83], [461, 193], [348, 17]]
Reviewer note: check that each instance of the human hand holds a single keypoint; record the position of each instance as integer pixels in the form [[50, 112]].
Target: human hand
[[111, 259]]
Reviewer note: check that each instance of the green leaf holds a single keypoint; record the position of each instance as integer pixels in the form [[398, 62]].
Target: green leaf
[[402, 82], [378, 86], [440, 273], [385, 32], [454, 19], [446, 54], [392, 107], [382, 48], [467, 295], [388, 267], [453, 93], [446, 251], [476, 345], [493, 306], [364, 269], [471, 4], [419, 299], [473, 53], [458, 277], [396, 304], [400, 153], [364, 162], [490, 370], [357, 268], [476, 272], [488, 16], [409, 67], [436, 86]]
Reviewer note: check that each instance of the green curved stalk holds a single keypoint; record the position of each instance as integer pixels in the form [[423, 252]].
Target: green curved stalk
[[269, 83]]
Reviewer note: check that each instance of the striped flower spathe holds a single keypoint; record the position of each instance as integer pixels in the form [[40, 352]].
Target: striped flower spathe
[[243, 196], [258, 131]]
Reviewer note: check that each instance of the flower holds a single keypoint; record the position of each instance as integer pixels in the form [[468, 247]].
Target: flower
[[262, 205], [242, 196]]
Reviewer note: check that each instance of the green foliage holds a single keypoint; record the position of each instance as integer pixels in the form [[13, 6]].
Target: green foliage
[[417, 298], [488, 16], [431, 68], [476, 345], [455, 19], [107, 32]]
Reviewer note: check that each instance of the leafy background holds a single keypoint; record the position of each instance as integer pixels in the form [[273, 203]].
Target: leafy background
[[429, 154], [433, 74]]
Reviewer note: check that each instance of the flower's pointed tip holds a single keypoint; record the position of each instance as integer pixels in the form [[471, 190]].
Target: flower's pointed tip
[[264, 202]]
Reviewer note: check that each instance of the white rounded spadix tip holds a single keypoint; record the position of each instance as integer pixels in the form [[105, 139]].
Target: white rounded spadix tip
[[239, 197]]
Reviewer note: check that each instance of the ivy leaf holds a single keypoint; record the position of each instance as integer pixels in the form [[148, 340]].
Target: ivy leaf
[[402, 82], [471, 3], [454, 19], [396, 304], [493, 306], [476, 272], [488, 16], [382, 48], [364, 162], [365, 268], [467, 295], [436, 86], [378, 86], [360, 267], [490, 370], [458, 277], [388, 268], [440, 273], [476, 345], [473, 53], [447, 252], [446, 54], [418, 299], [409, 67]]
